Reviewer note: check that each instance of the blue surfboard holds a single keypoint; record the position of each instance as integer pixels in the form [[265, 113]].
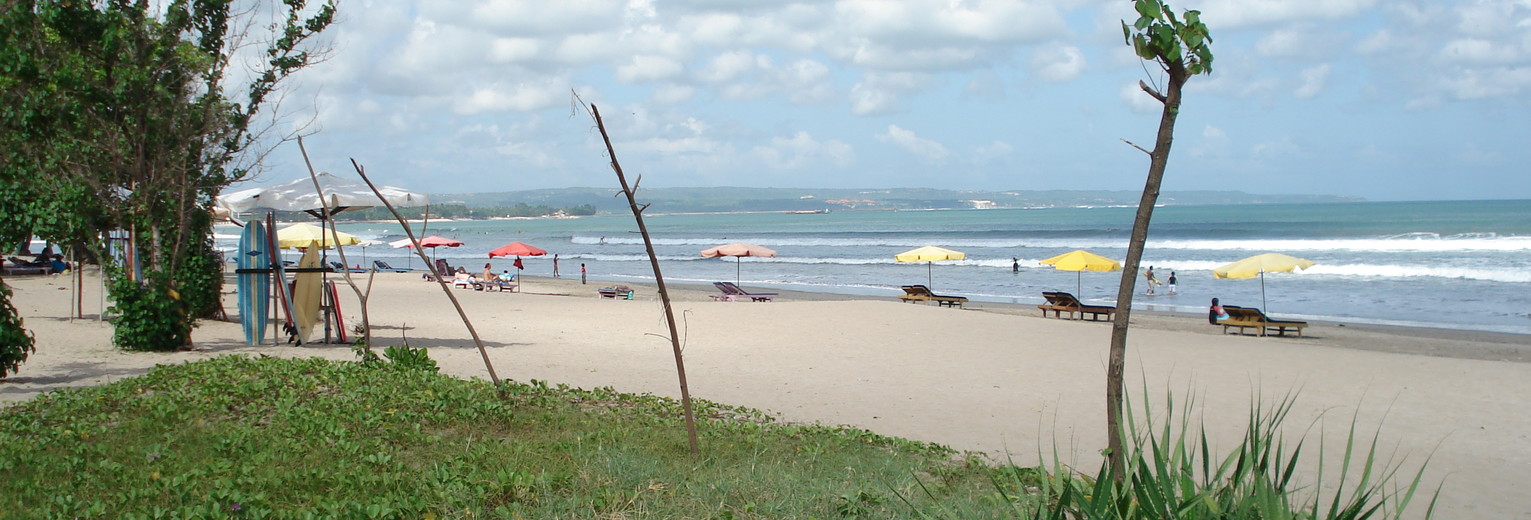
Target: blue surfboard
[[254, 287]]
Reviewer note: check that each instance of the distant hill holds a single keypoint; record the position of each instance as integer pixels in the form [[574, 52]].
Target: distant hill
[[701, 200]]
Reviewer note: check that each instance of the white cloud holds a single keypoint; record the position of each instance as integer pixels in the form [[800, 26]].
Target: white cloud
[[1478, 50], [1487, 82], [1226, 15], [878, 93], [1139, 101], [801, 151], [671, 93], [912, 143], [1058, 63], [1314, 79], [646, 68], [992, 151], [524, 96], [1212, 133]]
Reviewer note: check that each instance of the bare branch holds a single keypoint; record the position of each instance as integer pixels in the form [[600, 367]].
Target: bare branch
[[1152, 92], [1136, 146]]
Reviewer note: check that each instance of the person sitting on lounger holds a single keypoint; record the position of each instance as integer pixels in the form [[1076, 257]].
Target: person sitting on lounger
[[1216, 313], [489, 275]]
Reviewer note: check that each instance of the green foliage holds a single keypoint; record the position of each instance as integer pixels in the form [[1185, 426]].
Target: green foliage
[[16, 342], [1174, 475], [148, 316], [408, 358], [1177, 42], [311, 438]]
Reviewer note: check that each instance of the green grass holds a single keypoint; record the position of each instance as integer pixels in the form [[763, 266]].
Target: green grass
[[280, 438], [237, 437]]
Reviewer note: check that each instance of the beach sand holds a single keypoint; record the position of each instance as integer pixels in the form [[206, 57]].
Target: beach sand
[[992, 378]]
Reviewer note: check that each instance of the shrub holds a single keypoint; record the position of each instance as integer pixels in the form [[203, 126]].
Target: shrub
[[15, 341]]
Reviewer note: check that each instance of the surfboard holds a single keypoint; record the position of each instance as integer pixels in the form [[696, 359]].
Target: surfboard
[[254, 288], [274, 259], [307, 293], [340, 322]]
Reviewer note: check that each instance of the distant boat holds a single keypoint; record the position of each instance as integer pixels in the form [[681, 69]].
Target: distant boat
[[809, 211]]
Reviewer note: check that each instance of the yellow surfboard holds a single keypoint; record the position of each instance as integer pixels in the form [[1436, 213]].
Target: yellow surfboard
[[307, 294]]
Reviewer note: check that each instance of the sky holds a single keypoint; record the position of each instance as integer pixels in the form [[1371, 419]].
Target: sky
[[1384, 100]]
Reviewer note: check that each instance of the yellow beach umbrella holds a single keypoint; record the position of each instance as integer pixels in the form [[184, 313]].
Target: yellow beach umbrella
[[1258, 265], [309, 235], [1080, 261], [929, 254]]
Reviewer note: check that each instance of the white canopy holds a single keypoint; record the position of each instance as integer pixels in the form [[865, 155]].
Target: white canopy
[[298, 195]]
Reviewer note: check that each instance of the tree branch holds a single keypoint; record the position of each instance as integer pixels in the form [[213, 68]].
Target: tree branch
[[1151, 91], [1134, 145]]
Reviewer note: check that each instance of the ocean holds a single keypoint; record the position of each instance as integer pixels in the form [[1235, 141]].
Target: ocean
[[1459, 264]]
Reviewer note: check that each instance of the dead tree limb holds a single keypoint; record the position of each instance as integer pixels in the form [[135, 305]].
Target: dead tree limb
[[328, 223], [664, 295], [440, 280]]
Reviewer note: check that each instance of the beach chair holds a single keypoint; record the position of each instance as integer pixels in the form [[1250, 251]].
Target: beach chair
[[341, 268], [732, 292], [1065, 302], [1250, 317], [501, 285], [19, 266], [913, 293], [383, 266], [441, 270], [620, 292]]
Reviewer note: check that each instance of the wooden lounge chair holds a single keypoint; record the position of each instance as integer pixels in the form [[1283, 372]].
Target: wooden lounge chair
[[1250, 317], [620, 292], [19, 266], [732, 292], [1060, 302], [914, 293], [383, 266]]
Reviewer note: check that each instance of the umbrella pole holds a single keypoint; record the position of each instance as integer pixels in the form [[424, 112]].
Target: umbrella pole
[[929, 281], [738, 261], [1079, 284], [1262, 292]]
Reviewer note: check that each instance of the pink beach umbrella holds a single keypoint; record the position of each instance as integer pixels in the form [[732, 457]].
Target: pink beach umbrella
[[518, 250], [738, 250], [434, 242]]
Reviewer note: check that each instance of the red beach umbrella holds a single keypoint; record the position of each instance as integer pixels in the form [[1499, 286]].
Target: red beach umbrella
[[517, 249], [738, 250]]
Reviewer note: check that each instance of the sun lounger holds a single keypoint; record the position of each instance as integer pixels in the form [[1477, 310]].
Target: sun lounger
[[19, 266], [920, 293], [383, 266], [1250, 317], [500, 284], [341, 268], [1061, 302], [442, 269], [732, 292], [620, 292]]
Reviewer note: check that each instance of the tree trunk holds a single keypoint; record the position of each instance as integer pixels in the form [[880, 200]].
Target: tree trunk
[[1159, 159]]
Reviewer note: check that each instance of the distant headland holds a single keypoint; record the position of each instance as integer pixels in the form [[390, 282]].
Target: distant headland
[[592, 201]]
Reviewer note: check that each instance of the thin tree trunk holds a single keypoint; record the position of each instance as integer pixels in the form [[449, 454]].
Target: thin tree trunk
[[366, 322], [440, 280], [664, 295], [1159, 159]]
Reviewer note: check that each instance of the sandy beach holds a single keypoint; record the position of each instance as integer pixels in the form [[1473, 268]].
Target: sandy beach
[[993, 378]]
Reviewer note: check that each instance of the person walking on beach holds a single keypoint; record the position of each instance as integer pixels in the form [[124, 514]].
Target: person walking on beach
[[582, 280], [1172, 290], [555, 265], [1015, 265], [1149, 274]]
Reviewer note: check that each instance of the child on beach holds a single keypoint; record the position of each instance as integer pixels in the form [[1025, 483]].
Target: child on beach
[[1172, 291]]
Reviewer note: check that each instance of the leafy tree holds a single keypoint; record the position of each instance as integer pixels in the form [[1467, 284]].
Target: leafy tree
[[119, 115], [1179, 46]]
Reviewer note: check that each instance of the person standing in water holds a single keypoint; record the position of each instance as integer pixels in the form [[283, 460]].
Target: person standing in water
[[555, 265], [1149, 274], [1015, 265], [1172, 281]]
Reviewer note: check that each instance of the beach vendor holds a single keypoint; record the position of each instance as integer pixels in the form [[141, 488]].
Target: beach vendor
[[1216, 313]]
